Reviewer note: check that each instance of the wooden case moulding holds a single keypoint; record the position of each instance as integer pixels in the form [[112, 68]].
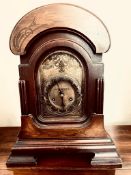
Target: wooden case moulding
[[61, 86], [59, 15]]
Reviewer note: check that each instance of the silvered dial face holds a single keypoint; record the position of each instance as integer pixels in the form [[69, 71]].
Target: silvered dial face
[[62, 95]]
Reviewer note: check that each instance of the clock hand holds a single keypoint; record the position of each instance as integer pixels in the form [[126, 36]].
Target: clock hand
[[62, 98], [60, 91], [61, 95]]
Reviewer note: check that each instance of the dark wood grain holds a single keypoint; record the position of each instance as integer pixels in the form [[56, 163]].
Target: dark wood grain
[[100, 96], [23, 96], [57, 166]]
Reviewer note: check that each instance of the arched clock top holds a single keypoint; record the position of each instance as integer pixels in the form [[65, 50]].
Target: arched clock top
[[57, 16]]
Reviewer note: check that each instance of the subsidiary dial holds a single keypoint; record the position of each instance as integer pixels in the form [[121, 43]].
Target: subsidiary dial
[[62, 95]]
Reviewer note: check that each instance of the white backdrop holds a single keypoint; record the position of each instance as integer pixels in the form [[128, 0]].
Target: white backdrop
[[117, 17]]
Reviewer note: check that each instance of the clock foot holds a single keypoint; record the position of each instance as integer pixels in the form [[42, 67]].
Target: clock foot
[[111, 160], [21, 160]]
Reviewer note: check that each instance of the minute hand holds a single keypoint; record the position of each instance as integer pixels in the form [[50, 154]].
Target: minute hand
[[61, 95]]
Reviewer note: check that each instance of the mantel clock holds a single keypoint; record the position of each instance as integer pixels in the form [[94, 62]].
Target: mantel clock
[[61, 86]]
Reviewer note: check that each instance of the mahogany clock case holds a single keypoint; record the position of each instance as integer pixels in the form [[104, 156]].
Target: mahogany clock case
[[58, 40], [61, 89]]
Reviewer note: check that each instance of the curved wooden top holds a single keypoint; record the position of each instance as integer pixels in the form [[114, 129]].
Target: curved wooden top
[[59, 15]]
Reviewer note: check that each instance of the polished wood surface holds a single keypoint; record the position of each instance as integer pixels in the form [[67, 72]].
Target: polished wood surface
[[59, 15], [67, 165]]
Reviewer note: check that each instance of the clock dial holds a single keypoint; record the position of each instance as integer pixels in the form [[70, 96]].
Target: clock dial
[[62, 94]]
